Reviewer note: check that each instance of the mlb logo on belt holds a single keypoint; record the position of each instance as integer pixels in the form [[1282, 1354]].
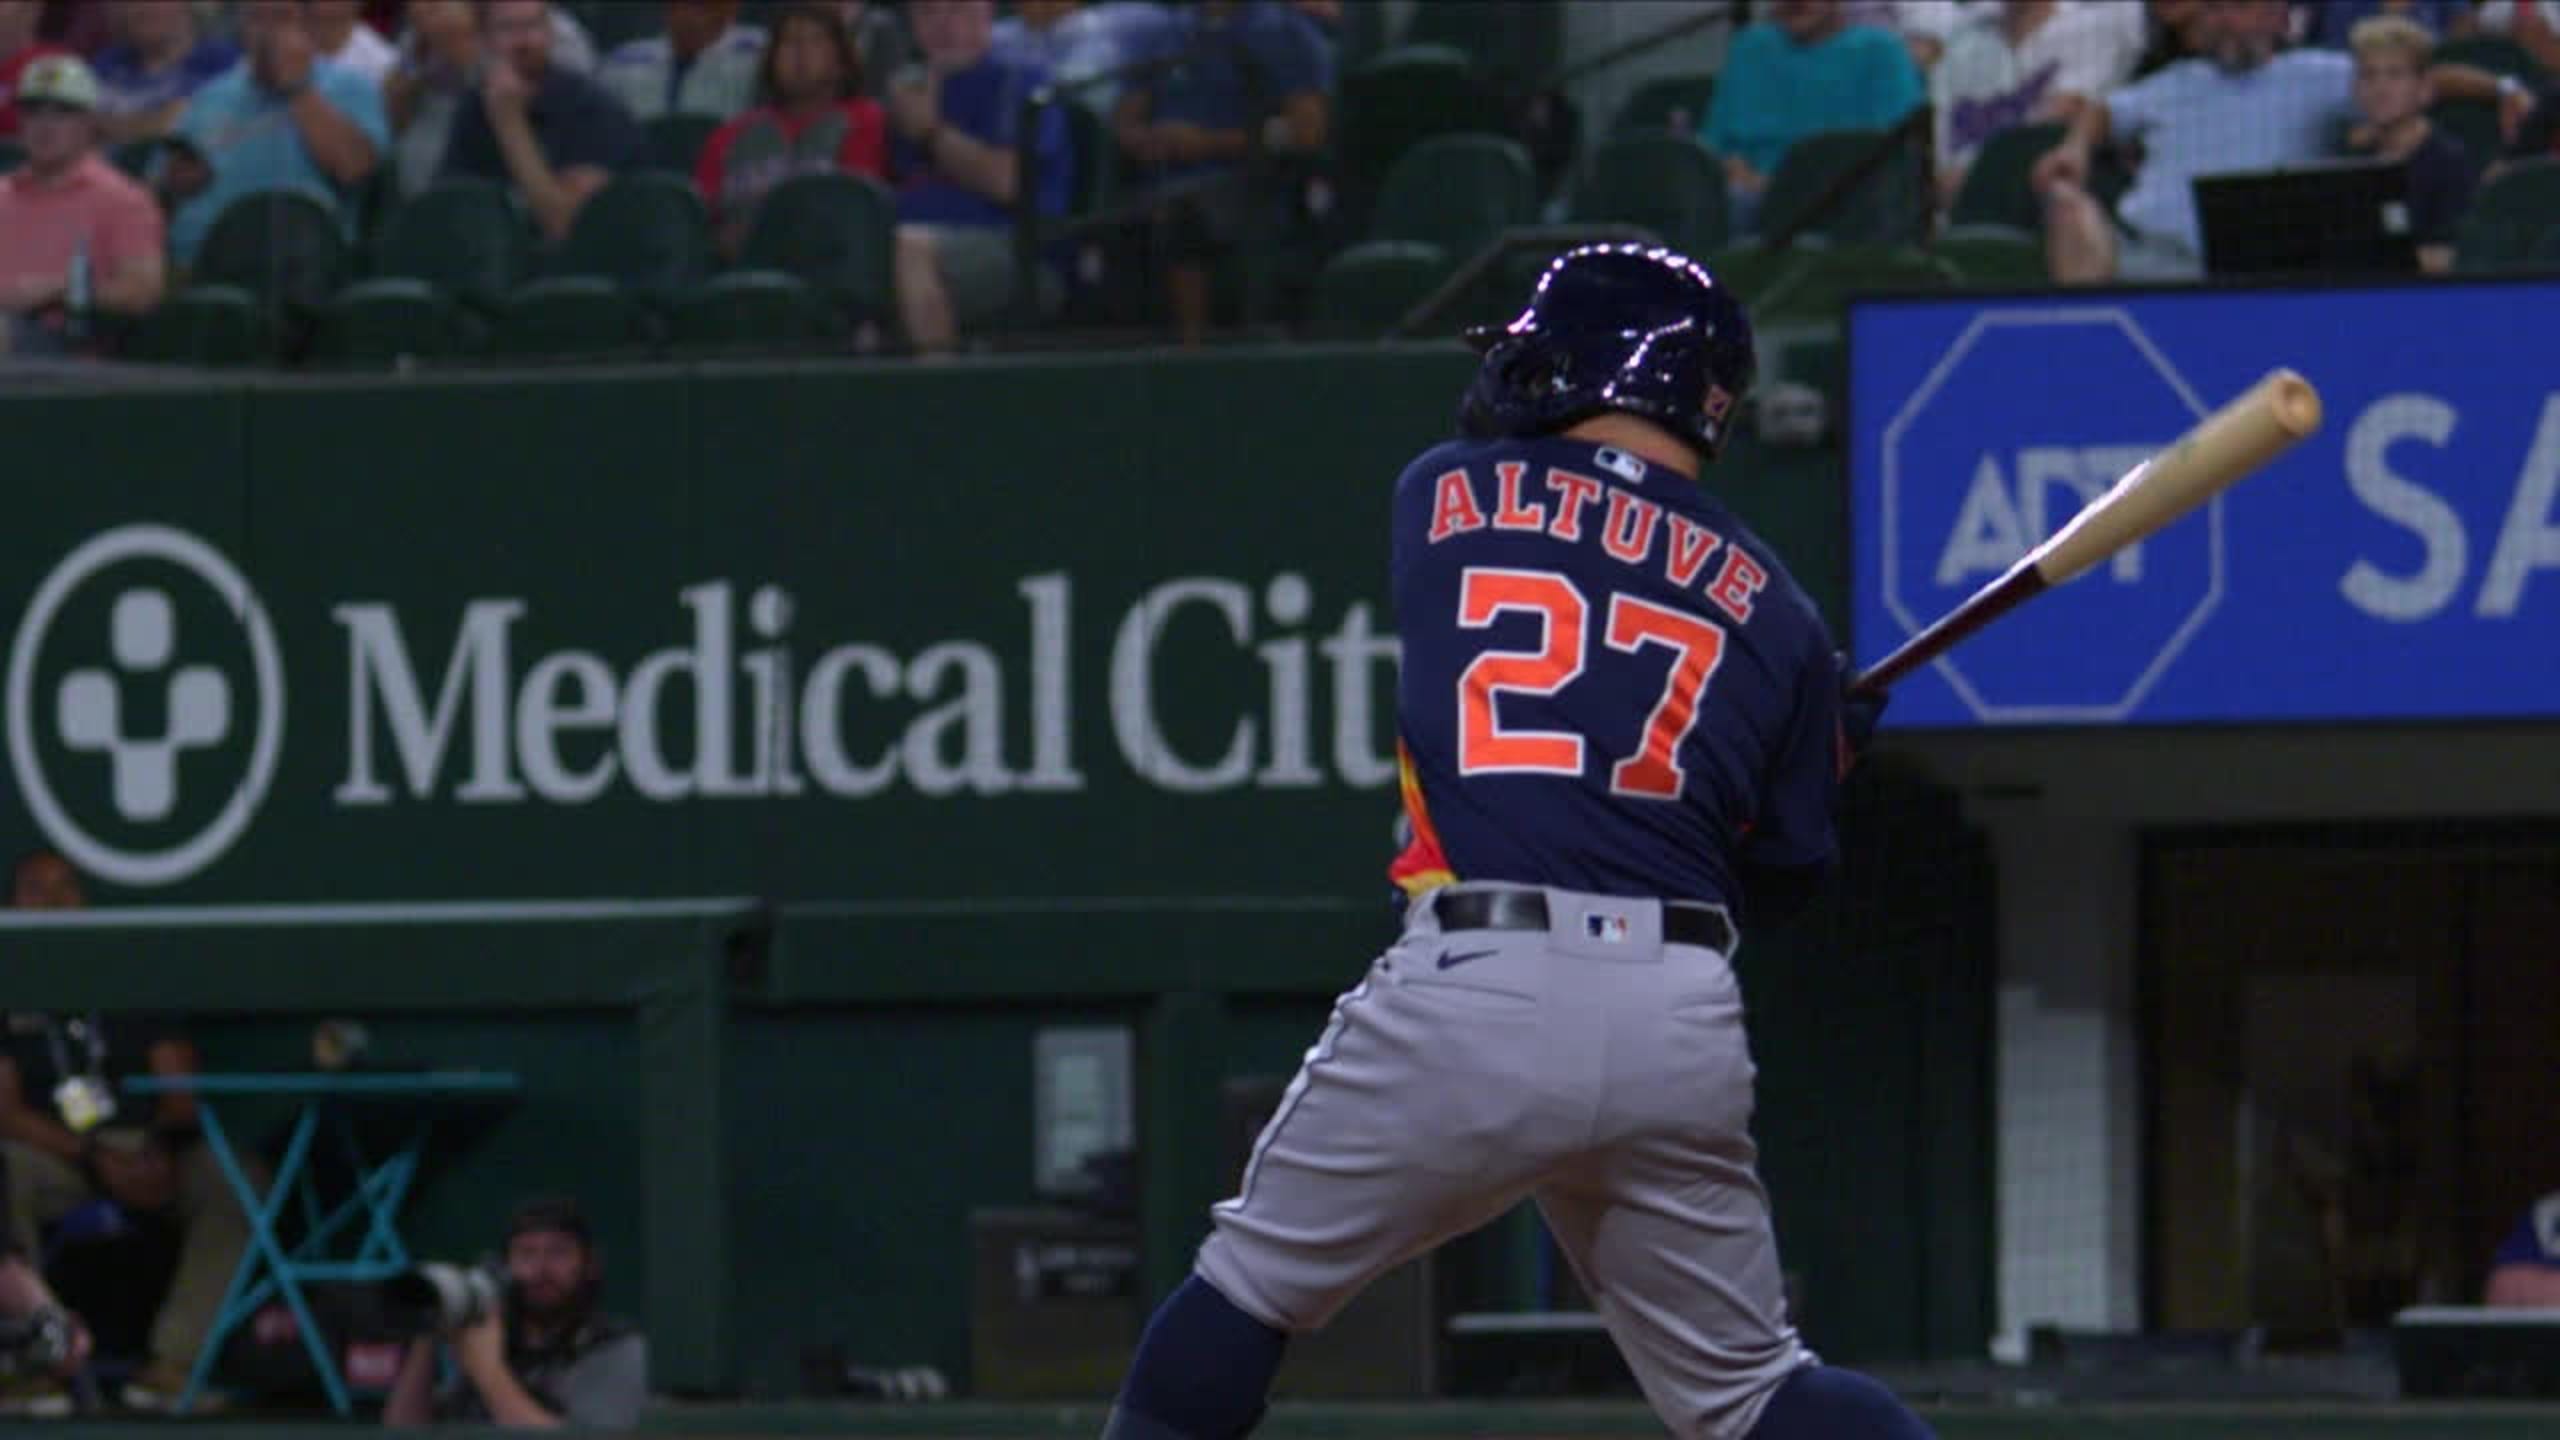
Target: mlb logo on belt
[[1612, 928]]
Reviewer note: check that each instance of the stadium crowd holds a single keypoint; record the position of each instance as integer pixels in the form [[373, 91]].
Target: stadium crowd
[[412, 174]]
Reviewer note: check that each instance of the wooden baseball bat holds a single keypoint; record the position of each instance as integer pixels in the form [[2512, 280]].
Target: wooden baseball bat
[[2234, 441]]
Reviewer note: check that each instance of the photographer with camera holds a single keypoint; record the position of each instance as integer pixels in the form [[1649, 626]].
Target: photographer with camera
[[41, 1343], [536, 1354]]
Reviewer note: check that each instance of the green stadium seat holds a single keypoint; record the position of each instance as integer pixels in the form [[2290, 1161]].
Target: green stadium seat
[[1667, 104], [750, 310], [1458, 192], [464, 237], [1818, 291], [673, 141], [1752, 271], [282, 246], [1993, 256], [2509, 217], [1369, 287], [570, 315], [1669, 184], [11, 157], [1400, 98], [645, 231], [836, 233], [1510, 40], [1995, 189], [221, 325], [1887, 206], [387, 321]]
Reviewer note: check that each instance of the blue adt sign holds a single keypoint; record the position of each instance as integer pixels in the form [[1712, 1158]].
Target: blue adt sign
[[2404, 563]]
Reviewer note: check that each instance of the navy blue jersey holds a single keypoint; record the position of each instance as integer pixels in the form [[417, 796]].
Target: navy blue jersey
[[1609, 684]]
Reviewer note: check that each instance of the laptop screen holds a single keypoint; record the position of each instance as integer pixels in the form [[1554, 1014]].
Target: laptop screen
[[2347, 216]]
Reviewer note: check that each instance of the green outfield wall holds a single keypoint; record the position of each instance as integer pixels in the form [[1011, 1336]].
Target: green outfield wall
[[756, 757]]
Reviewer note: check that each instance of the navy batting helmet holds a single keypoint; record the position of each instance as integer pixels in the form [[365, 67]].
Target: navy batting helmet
[[1616, 327]]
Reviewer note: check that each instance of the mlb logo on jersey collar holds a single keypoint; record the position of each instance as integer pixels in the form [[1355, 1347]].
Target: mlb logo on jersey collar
[[1609, 928]]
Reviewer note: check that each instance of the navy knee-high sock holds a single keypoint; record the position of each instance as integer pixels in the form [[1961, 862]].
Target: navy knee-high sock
[[1819, 1402], [1202, 1371]]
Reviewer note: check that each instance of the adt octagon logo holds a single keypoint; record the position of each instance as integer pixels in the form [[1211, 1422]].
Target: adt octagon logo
[[2028, 416], [145, 705]]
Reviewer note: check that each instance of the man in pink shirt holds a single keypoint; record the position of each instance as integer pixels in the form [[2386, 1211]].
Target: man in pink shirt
[[67, 210]]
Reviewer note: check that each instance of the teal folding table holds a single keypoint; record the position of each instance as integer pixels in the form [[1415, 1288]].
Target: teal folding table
[[355, 1239]]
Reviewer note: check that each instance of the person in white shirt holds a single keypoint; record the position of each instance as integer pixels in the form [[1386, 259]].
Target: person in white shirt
[[2022, 62], [340, 36]]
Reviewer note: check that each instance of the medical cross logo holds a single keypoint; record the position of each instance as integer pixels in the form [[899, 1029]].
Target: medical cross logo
[[145, 705]]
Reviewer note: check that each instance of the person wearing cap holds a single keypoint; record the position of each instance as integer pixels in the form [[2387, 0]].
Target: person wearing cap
[[281, 119], [19, 48], [67, 210], [548, 1357]]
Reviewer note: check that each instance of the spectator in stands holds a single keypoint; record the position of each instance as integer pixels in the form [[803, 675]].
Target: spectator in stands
[[1075, 42], [19, 47], [705, 64], [2025, 62], [339, 33], [554, 135], [433, 79], [1803, 71], [2526, 1270], [2173, 31], [813, 120], [66, 210], [549, 1358], [70, 1139], [29, 1305], [1254, 81], [281, 119], [880, 37], [2248, 107], [146, 78], [954, 151], [2532, 24], [2393, 92], [1924, 26], [2332, 21]]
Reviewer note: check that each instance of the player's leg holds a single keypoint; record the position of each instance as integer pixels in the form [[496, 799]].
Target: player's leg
[[1406, 1126], [1666, 1223]]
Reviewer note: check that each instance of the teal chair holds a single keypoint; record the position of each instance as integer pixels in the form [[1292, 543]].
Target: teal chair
[[1458, 192], [1667, 105], [464, 237], [283, 247], [836, 233], [646, 232], [214, 325], [389, 321], [1669, 184], [673, 142], [750, 310], [571, 315], [1885, 207], [1369, 287]]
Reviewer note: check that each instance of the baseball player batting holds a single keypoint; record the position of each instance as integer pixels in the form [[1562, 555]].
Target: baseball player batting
[[1623, 732]]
